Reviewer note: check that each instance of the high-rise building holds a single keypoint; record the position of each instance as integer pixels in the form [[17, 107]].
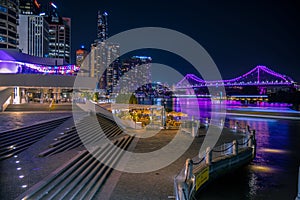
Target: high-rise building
[[33, 35], [81, 53], [102, 63], [59, 34], [135, 72], [8, 24], [29, 7], [102, 26], [52, 13], [60, 39]]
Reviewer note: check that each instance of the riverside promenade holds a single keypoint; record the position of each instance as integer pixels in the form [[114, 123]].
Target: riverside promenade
[[26, 172]]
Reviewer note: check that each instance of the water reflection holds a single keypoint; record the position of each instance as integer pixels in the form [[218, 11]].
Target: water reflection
[[273, 173]]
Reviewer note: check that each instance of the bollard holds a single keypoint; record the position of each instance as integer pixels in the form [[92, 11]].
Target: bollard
[[298, 196], [222, 122], [195, 127], [206, 121], [234, 147], [208, 157], [236, 125]]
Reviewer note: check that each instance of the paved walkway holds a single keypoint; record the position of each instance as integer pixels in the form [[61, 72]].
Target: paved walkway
[[159, 183], [20, 173], [13, 120]]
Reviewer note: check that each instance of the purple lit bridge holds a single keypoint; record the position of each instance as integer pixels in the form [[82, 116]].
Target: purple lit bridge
[[260, 76]]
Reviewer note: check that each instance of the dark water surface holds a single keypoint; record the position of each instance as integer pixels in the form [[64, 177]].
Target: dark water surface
[[273, 174]]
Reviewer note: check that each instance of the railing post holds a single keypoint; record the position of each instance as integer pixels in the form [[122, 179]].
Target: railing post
[[208, 157], [236, 125], [253, 140], [248, 129], [234, 147], [188, 169], [253, 137], [298, 196], [250, 140]]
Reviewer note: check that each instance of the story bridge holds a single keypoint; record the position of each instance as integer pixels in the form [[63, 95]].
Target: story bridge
[[260, 76]]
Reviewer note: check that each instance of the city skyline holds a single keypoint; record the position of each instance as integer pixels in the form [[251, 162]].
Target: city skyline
[[237, 36]]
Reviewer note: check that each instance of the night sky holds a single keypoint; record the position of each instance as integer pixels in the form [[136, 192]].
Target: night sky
[[238, 35]]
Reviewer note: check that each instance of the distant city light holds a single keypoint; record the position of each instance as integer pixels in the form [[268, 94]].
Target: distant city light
[[143, 57], [82, 46], [24, 186], [21, 176], [42, 14], [105, 13], [52, 4]]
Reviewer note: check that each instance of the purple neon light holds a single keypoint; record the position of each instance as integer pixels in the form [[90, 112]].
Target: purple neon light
[[46, 69], [284, 77], [240, 84], [190, 76], [230, 82]]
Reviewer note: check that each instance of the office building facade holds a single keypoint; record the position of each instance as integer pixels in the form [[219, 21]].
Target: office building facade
[[102, 63], [33, 35], [8, 24], [81, 53], [135, 73], [59, 33], [60, 39]]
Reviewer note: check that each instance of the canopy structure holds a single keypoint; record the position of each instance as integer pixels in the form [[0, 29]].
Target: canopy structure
[[15, 55]]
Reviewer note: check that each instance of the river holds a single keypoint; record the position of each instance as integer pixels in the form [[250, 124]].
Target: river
[[273, 174]]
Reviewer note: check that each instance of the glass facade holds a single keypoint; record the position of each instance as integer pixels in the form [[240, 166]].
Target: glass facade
[[8, 24]]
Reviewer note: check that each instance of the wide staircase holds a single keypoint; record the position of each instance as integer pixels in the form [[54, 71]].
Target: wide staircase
[[83, 176], [15, 141], [89, 132]]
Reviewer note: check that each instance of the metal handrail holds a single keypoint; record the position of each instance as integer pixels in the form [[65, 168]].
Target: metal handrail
[[188, 169]]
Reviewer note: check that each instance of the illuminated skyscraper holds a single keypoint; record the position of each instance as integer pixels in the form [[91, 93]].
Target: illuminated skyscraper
[[8, 24], [80, 55], [134, 71], [29, 7], [59, 34], [102, 26], [33, 35], [101, 63]]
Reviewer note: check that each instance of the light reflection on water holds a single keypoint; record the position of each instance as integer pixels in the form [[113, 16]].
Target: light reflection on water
[[273, 174]]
